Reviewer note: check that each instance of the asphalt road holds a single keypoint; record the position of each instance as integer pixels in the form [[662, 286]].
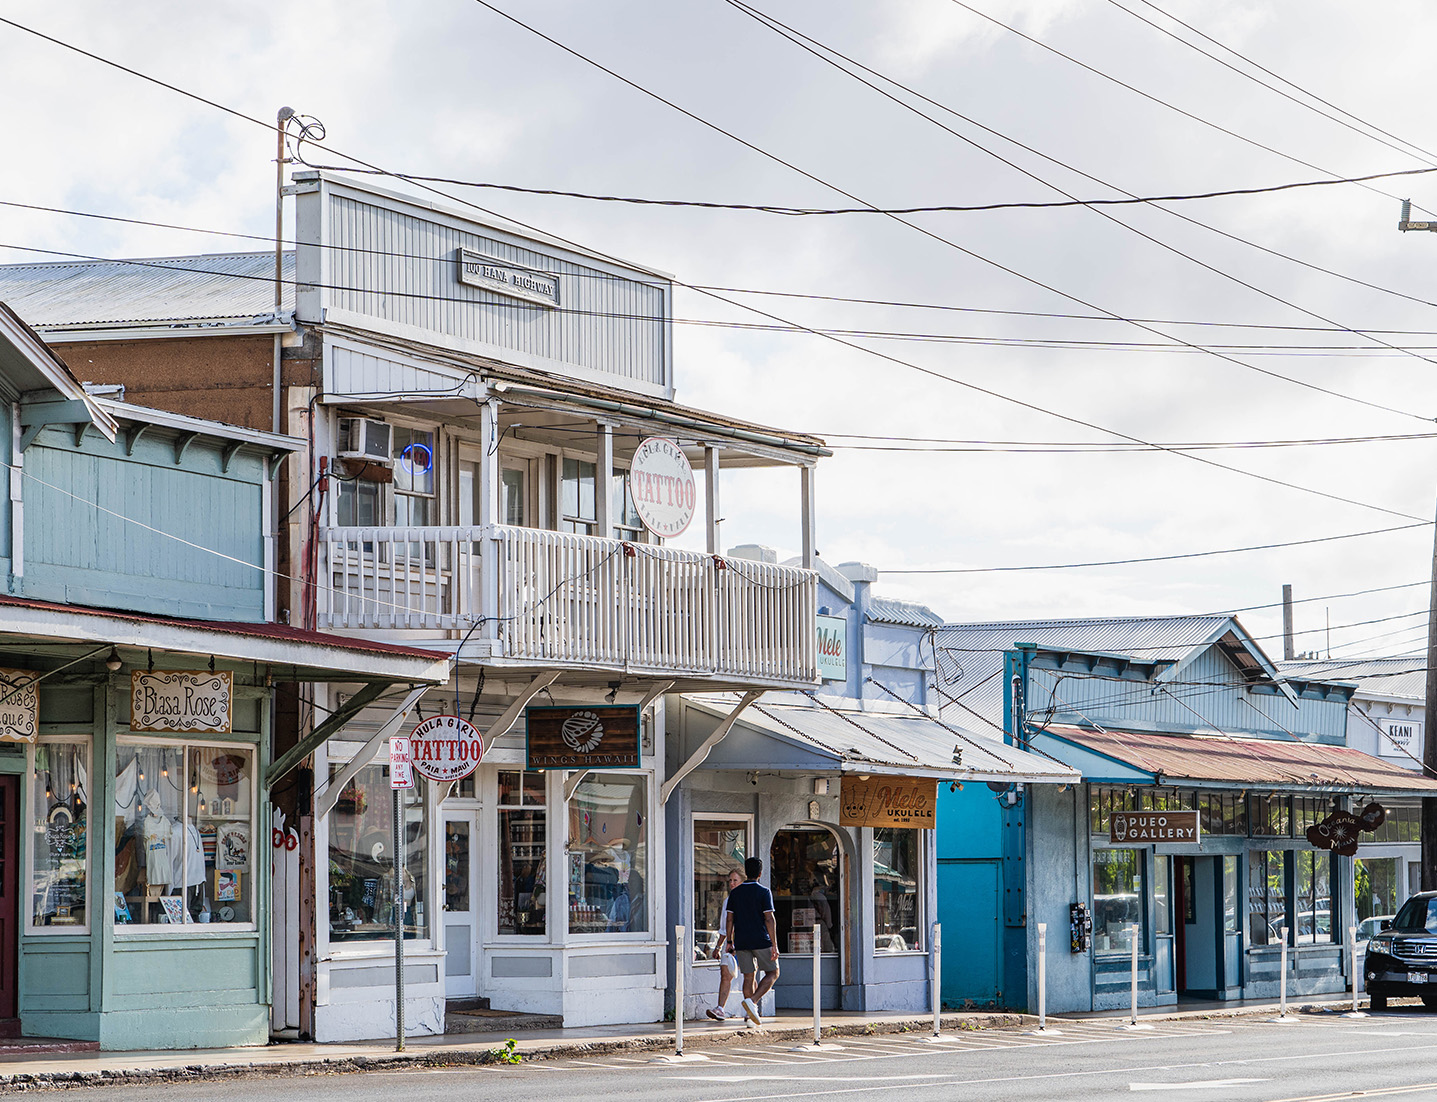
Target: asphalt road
[[1319, 1057]]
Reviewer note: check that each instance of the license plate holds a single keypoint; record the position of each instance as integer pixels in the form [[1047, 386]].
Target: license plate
[[1416, 977]]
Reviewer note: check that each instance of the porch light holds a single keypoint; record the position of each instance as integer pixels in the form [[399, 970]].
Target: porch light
[[112, 661]]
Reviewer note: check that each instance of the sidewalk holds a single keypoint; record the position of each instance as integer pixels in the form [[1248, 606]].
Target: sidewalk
[[60, 1069]]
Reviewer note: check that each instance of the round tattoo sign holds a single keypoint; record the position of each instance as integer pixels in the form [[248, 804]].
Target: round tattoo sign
[[662, 484], [446, 748]]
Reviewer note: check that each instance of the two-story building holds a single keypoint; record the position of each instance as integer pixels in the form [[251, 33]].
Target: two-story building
[[493, 465], [138, 676]]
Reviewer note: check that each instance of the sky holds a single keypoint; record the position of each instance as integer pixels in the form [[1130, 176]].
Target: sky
[[1293, 315]]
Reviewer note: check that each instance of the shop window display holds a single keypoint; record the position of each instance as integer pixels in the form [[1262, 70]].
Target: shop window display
[[361, 858], [60, 811], [523, 873], [184, 830], [804, 870], [608, 855], [720, 846], [1266, 897], [1117, 898], [896, 864], [1312, 876]]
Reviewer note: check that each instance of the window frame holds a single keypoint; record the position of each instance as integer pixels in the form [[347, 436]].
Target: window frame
[[27, 864], [920, 892], [648, 933], [715, 817], [495, 820]]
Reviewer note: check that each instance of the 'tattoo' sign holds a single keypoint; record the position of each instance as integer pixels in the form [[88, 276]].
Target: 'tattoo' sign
[[446, 748], [662, 484]]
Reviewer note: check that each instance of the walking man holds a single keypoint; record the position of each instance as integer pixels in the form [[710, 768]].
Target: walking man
[[754, 937], [723, 953]]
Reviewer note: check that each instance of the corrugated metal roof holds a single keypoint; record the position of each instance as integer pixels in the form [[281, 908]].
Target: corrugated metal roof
[[1264, 762], [1404, 677], [970, 656], [227, 287], [910, 613], [896, 743]]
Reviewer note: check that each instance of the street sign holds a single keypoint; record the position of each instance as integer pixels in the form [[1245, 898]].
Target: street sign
[[401, 763]]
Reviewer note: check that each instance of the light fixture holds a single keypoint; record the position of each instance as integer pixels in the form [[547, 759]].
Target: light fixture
[[956, 786], [613, 691], [112, 661]]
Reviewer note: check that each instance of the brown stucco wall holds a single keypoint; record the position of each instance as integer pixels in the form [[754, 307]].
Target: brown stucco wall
[[222, 378]]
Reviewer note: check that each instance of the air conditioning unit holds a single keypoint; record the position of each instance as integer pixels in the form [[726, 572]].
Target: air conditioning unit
[[366, 439]]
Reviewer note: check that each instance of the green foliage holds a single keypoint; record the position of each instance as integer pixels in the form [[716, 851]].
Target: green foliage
[[507, 1053]]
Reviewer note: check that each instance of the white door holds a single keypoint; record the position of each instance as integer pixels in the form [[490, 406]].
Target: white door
[[461, 942]]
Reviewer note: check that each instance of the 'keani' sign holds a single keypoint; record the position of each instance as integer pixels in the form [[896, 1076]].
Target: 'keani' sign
[[182, 701]]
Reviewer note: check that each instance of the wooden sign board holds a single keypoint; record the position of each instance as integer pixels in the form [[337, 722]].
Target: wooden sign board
[[182, 701], [888, 802], [1128, 828], [19, 706], [596, 737]]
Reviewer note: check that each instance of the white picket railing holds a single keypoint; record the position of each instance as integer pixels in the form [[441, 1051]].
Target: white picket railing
[[575, 600]]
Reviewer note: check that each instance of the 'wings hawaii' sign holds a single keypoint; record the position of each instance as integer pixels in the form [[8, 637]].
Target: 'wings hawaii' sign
[[600, 736]]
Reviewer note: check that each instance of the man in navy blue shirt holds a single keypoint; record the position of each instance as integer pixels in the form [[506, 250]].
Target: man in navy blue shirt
[[754, 937]]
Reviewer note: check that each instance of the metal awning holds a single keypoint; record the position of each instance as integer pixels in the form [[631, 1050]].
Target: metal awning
[[1229, 761], [820, 739]]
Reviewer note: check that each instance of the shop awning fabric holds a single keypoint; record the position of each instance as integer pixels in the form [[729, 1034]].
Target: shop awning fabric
[[1229, 761], [812, 739]]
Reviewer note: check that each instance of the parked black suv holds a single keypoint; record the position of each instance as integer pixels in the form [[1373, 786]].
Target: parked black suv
[[1402, 958]]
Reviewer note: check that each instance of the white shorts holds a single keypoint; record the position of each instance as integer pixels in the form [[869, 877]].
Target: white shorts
[[727, 961]]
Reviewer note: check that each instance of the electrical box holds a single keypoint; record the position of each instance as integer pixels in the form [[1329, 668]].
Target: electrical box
[[365, 439], [1080, 928]]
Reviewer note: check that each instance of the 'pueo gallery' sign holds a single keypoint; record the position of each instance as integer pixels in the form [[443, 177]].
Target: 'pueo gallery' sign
[[182, 701], [1129, 828], [19, 706]]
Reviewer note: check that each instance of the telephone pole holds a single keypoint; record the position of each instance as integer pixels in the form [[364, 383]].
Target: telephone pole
[[1429, 715]]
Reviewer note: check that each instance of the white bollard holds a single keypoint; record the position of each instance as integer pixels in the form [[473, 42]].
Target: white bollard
[[1042, 975], [1134, 929], [1282, 980], [937, 982], [817, 986], [1355, 972], [680, 942]]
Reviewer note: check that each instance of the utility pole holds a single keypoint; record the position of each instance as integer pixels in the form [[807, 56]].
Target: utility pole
[[1429, 744], [1287, 649]]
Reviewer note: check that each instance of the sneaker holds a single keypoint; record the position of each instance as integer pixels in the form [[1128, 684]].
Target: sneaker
[[750, 1011], [716, 1013]]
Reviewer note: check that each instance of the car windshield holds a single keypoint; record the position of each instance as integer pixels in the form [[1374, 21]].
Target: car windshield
[[1417, 915]]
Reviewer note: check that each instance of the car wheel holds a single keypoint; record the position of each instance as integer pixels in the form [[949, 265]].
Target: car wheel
[[1377, 1002]]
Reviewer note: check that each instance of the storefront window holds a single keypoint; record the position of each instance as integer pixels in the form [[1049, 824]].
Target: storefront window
[[1162, 895], [805, 880], [1312, 872], [1169, 799], [1266, 897], [361, 857], [1222, 813], [1103, 801], [413, 478], [627, 522], [60, 810], [896, 863], [1231, 915], [1403, 824], [1308, 811], [1375, 886], [185, 829], [1117, 898], [523, 889], [608, 856], [577, 506], [720, 847]]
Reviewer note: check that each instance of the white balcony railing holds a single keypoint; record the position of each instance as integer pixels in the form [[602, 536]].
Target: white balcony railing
[[551, 597]]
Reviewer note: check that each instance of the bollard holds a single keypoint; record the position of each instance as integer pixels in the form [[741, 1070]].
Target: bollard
[[1134, 929], [1282, 980], [817, 981], [937, 981], [680, 939], [1356, 968], [1042, 975]]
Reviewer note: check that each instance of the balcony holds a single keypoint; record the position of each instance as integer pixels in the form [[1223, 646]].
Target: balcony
[[527, 597]]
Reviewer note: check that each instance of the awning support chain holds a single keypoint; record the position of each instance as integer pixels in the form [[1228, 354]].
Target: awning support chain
[[311, 742], [697, 757]]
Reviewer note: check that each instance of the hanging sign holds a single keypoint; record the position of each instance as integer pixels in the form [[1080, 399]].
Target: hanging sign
[[446, 748], [888, 802], [663, 487], [1141, 827], [596, 737], [182, 701], [833, 648], [401, 762], [19, 706]]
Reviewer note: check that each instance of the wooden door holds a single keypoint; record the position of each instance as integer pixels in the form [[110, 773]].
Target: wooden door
[[9, 903]]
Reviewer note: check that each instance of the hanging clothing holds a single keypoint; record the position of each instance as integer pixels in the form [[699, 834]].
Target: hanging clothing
[[159, 833]]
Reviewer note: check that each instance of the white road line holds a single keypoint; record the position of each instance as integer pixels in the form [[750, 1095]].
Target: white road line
[[1192, 1085]]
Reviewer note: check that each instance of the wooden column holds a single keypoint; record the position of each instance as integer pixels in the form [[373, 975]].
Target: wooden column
[[604, 483], [809, 517], [711, 500]]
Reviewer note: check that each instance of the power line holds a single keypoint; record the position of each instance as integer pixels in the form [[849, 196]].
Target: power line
[[822, 51]]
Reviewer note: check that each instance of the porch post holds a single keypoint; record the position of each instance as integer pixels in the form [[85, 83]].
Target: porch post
[[487, 517], [604, 483], [809, 516], [711, 499]]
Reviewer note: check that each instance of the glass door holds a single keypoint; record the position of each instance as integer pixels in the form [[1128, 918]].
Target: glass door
[[1165, 960], [461, 943]]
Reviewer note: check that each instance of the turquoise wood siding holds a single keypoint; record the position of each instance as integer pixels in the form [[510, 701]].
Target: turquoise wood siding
[[139, 532]]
